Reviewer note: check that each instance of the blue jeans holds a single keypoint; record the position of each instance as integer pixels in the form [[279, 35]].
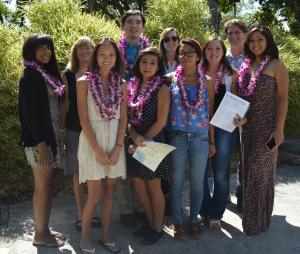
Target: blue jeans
[[214, 203], [191, 147]]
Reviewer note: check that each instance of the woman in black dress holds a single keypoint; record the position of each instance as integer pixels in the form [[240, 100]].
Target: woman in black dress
[[146, 94]]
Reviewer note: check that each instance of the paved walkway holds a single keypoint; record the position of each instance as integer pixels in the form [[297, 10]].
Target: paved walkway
[[282, 237]]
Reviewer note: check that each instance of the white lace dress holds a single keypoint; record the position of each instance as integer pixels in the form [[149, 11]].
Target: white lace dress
[[106, 134]]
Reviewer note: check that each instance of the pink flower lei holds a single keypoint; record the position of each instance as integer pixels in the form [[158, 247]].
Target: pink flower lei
[[109, 104], [54, 83], [219, 76], [136, 100], [143, 42], [247, 90], [179, 77]]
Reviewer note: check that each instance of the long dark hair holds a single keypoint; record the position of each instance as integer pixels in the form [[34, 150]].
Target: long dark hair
[[271, 49], [224, 61], [119, 65], [192, 43], [144, 52], [161, 47], [29, 50]]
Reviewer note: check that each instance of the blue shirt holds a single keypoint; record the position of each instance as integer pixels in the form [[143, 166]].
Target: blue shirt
[[235, 62], [180, 118], [132, 53]]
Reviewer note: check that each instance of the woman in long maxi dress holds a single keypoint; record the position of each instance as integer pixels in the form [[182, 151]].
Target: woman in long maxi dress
[[264, 83]]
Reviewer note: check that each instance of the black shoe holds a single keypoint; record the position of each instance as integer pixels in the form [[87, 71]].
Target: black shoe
[[128, 220], [96, 222], [141, 216], [153, 237], [144, 231]]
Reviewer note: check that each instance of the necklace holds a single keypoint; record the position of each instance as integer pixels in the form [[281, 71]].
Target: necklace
[[219, 76], [143, 42], [54, 83], [248, 89], [136, 100], [106, 103], [179, 78]]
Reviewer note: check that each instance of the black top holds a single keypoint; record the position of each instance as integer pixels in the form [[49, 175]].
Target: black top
[[72, 119], [219, 96], [34, 111]]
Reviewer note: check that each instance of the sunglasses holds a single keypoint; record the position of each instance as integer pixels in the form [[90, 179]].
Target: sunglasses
[[187, 53], [173, 38]]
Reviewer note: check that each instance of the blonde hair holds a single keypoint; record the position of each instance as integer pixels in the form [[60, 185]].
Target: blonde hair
[[73, 64]]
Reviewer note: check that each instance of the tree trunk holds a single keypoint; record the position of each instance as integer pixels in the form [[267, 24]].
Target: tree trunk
[[215, 15]]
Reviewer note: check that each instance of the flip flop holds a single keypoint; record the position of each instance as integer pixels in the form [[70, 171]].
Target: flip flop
[[78, 225], [111, 247], [57, 234], [87, 251], [56, 243], [214, 224]]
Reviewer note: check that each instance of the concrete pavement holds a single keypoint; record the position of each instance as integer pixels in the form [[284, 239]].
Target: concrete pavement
[[282, 237]]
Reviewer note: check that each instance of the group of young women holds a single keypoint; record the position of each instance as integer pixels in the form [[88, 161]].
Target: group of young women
[[174, 93]]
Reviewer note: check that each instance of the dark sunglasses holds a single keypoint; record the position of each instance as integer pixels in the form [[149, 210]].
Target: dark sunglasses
[[187, 53], [173, 38]]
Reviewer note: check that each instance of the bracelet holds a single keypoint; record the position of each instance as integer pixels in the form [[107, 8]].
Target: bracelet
[[119, 145], [211, 143]]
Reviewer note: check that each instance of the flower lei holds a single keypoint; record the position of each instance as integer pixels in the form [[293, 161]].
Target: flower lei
[[179, 77], [143, 42], [247, 90], [107, 105], [136, 100], [219, 76], [54, 83]]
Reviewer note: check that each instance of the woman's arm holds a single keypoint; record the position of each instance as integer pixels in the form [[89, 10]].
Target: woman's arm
[[115, 153], [211, 95], [82, 92], [64, 103], [282, 81], [234, 85]]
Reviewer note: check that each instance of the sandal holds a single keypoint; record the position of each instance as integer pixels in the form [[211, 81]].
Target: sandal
[[52, 243], [214, 224], [195, 231], [111, 247], [57, 234], [96, 222], [179, 232], [87, 251]]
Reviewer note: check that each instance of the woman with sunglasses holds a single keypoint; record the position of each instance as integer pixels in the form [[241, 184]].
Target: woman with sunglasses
[[191, 106], [168, 43]]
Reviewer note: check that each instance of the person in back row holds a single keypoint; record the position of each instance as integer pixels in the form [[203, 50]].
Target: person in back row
[[130, 44]]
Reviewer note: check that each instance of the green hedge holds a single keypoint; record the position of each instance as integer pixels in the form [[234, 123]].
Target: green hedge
[[65, 22]]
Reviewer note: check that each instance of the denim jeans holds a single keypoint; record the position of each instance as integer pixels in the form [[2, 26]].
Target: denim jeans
[[191, 148], [214, 202]]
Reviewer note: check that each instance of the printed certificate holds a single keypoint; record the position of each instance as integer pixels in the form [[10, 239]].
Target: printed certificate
[[152, 154]]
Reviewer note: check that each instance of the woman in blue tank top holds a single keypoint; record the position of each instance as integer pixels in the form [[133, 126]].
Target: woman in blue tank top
[[192, 103]]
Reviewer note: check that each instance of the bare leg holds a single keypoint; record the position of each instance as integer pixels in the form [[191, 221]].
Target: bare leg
[[107, 197], [78, 191], [143, 194], [42, 201], [94, 194], [157, 202]]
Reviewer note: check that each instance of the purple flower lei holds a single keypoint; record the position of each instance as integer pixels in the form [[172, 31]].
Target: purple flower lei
[[219, 76], [179, 77], [107, 105], [54, 83], [143, 42], [136, 100], [247, 90]]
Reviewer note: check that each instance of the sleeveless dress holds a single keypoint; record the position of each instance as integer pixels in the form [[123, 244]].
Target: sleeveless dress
[[135, 168], [259, 164], [106, 135]]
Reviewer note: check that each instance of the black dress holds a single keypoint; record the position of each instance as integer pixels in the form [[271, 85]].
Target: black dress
[[135, 168]]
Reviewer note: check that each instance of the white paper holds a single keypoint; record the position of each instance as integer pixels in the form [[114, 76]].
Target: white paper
[[230, 106], [152, 154]]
